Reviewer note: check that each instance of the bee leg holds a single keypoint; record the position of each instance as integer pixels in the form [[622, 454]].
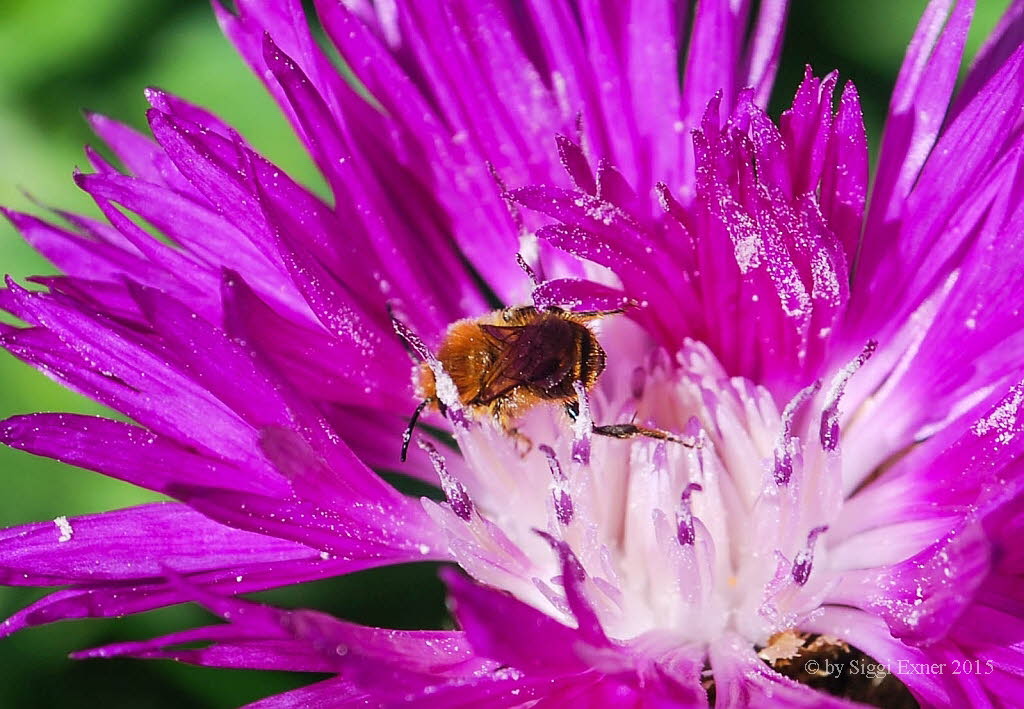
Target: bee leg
[[598, 314], [523, 444], [504, 416], [588, 315], [630, 430]]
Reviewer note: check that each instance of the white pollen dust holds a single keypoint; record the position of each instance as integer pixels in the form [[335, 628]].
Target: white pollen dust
[[64, 530]]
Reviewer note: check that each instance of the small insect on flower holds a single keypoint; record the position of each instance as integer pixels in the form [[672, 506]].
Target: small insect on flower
[[507, 362]]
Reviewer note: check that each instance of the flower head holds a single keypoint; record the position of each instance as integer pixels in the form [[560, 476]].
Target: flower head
[[827, 396]]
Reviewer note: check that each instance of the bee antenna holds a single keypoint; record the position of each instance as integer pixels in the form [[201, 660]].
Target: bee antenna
[[407, 435]]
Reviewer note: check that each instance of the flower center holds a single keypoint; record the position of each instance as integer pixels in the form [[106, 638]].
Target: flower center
[[680, 546]]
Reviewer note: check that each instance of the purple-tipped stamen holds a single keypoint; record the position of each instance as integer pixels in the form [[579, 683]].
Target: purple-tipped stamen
[[527, 269], [637, 382], [553, 464], [783, 464], [458, 497], [829, 430], [410, 337], [564, 509], [805, 558], [582, 426], [685, 532]]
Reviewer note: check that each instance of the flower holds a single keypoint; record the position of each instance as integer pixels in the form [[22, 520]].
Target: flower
[[848, 379]]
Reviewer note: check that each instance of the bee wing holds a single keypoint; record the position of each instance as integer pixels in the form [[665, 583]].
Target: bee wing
[[537, 355]]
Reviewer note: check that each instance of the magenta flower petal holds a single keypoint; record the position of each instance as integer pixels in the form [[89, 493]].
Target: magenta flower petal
[[336, 692], [138, 153], [115, 599], [372, 536], [211, 164], [919, 102], [922, 596], [184, 219], [128, 453], [128, 375], [998, 47], [845, 182], [133, 543], [582, 295], [234, 647], [316, 363], [106, 256], [120, 562], [430, 151], [177, 106], [386, 663], [307, 641], [980, 138], [523, 638], [412, 243]]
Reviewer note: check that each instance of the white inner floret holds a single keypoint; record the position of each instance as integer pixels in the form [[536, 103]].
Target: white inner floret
[[681, 545]]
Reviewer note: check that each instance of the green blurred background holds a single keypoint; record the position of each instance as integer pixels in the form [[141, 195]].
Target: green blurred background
[[59, 57]]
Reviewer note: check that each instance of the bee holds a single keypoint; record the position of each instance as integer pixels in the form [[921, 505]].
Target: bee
[[509, 361]]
